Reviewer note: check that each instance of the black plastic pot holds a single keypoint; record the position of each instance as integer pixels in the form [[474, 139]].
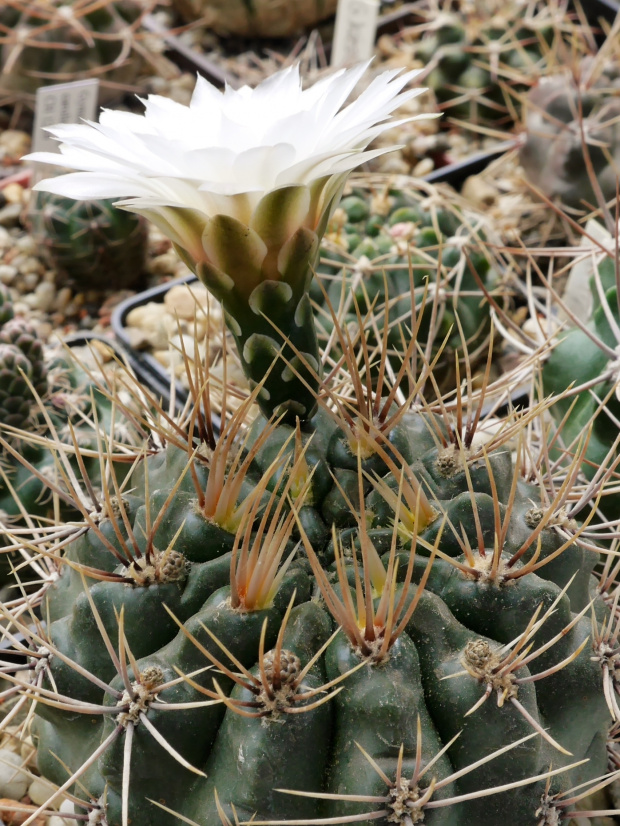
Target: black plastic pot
[[148, 369]]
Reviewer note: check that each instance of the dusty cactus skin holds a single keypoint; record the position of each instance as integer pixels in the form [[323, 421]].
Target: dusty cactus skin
[[167, 581]]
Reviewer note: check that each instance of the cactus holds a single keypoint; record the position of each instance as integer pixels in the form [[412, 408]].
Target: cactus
[[582, 370], [193, 665], [484, 55], [53, 42], [46, 400], [395, 256], [90, 242], [572, 140], [257, 18]]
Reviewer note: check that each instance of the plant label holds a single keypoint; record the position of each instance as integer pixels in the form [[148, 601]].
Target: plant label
[[355, 32]]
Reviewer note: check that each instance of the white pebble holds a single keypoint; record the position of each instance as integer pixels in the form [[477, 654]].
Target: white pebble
[[39, 791], [27, 245], [6, 240], [14, 781], [45, 295], [8, 273], [66, 807], [31, 265]]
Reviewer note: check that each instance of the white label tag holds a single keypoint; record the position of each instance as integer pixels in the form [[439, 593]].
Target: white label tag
[[355, 32], [61, 103]]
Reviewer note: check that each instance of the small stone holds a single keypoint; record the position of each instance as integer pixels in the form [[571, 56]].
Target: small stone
[[27, 245], [14, 781], [164, 264], [14, 193], [10, 817], [184, 344], [8, 273], [44, 296], [63, 297], [479, 192], [66, 807], [30, 265], [29, 282], [15, 143], [10, 215], [424, 167], [20, 308], [138, 339], [184, 299], [395, 166], [6, 239], [40, 791], [103, 350]]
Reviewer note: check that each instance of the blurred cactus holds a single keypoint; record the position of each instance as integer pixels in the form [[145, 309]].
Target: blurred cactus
[[572, 139], [54, 41], [258, 18], [90, 242]]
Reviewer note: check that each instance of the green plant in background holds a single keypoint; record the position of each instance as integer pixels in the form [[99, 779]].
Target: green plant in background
[[583, 370], [258, 18], [90, 242], [47, 400], [352, 608], [403, 259], [45, 42], [481, 55], [571, 149]]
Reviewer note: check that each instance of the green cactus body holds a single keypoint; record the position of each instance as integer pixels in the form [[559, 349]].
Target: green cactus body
[[482, 57], [388, 242], [90, 242], [392, 700], [577, 359]]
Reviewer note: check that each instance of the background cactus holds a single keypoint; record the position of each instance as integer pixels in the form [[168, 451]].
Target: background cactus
[[481, 55], [125, 669], [54, 42], [90, 242], [396, 256], [571, 149], [257, 18]]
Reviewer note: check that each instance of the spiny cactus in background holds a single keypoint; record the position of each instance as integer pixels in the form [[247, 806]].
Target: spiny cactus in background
[[258, 18], [47, 400], [481, 54], [22, 366], [92, 243], [571, 147], [399, 261], [433, 645], [583, 369], [55, 41]]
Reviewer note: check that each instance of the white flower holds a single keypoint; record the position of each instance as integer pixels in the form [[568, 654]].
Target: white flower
[[243, 182], [182, 165]]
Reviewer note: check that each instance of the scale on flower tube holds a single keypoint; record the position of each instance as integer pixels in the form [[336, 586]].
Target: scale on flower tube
[[61, 103], [355, 32]]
